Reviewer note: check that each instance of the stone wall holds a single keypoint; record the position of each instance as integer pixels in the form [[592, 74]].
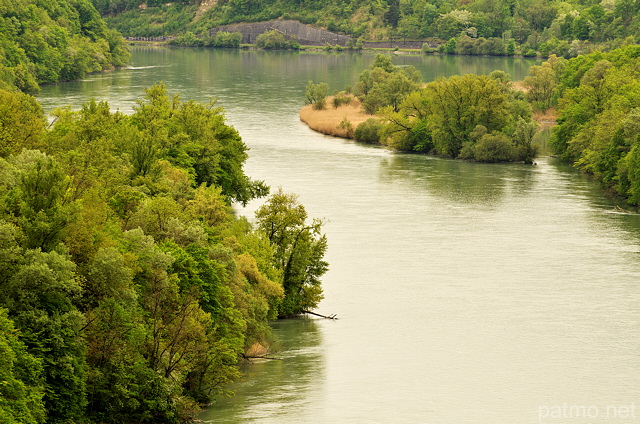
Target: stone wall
[[392, 44], [307, 35], [304, 34]]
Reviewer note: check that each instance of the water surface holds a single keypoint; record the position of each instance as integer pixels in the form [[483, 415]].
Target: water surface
[[467, 293]]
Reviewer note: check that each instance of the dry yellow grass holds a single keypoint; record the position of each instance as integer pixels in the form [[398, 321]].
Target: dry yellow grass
[[327, 121]]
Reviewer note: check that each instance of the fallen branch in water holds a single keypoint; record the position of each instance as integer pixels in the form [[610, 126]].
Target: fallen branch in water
[[332, 316], [249, 358]]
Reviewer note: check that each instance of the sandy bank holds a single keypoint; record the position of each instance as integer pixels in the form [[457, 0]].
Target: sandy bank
[[327, 121]]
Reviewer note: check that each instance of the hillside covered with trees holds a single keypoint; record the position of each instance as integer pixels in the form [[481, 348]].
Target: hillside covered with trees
[[598, 98], [129, 290], [54, 40], [566, 28]]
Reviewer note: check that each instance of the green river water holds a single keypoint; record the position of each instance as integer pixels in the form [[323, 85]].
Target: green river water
[[466, 293]]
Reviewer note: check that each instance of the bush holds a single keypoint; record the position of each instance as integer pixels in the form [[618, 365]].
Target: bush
[[426, 48], [188, 39], [495, 147], [316, 94], [226, 39], [275, 40], [368, 131], [339, 100], [346, 125]]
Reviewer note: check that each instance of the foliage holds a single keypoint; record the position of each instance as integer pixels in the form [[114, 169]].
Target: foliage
[[467, 117], [599, 123], [225, 39], [21, 391], [541, 82], [368, 131], [346, 125], [316, 95], [275, 40], [128, 288], [298, 246], [385, 84], [566, 28], [52, 41], [341, 99]]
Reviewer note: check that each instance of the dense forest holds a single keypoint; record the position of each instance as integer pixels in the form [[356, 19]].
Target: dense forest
[[52, 40], [598, 97], [566, 28], [129, 290]]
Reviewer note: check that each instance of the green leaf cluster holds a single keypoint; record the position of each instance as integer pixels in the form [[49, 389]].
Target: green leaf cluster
[[316, 94], [385, 84], [475, 117], [129, 290], [276, 40]]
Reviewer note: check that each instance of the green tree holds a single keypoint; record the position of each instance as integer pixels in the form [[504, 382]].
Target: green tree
[[22, 390], [542, 81], [21, 122], [316, 95], [458, 104], [299, 248], [37, 198], [385, 84]]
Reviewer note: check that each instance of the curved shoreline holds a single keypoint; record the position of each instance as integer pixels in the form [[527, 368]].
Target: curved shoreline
[[328, 121]]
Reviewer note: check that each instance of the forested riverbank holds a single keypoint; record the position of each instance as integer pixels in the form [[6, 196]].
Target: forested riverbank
[[130, 290], [477, 27], [50, 41]]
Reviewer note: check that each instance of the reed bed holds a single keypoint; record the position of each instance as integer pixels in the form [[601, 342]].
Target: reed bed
[[328, 121]]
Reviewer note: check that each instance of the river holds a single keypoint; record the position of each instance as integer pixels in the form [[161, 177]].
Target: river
[[466, 293]]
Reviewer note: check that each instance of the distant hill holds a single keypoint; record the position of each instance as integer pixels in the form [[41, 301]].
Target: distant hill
[[51, 40], [567, 28]]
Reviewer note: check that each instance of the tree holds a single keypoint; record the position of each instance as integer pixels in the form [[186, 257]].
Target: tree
[[542, 82], [299, 248], [385, 84], [40, 294], [192, 136], [21, 390], [458, 104], [21, 122], [316, 95], [37, 198], [598, 124]]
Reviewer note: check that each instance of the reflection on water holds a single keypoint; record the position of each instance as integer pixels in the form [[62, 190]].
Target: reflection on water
[[275, 397], [456, 181]]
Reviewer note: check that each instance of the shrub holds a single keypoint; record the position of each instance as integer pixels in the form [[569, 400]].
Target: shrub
[[495, 147], [339, 100], [368, 131], [316, 94], [426, 48], [188, 39], [275, 40], [347, 126], [226, 39]]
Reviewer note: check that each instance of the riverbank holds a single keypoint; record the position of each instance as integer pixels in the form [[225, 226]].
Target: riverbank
[[342, 121], [339, 122]]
